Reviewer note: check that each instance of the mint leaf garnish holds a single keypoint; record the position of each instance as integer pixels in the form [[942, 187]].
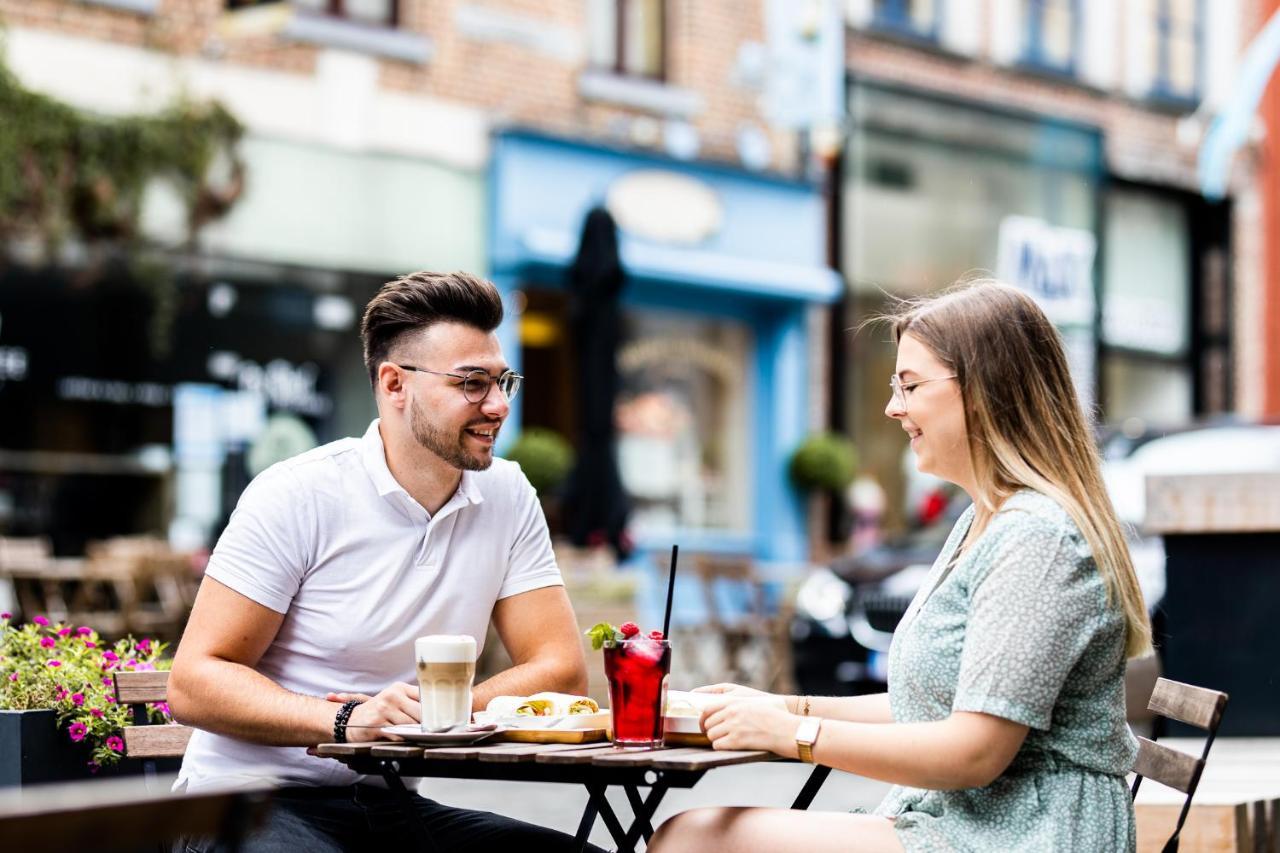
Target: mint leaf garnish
[[601, 633]]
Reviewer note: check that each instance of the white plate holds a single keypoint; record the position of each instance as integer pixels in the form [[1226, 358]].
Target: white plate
[[681, 725], [414, 733], [598, 720]]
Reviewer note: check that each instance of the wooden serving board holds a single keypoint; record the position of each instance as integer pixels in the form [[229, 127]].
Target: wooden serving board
[[550, 736]]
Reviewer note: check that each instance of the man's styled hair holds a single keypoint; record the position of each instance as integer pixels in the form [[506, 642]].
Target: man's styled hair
[[418, 300]]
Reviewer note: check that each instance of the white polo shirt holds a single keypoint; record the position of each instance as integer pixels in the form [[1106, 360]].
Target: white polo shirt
[[360, 570]]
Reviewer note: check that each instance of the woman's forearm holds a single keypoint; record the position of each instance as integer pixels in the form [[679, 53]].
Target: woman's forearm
[[873, 708], [938, 756]]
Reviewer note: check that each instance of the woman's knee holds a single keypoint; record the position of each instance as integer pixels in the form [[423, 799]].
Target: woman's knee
[[690, 830]]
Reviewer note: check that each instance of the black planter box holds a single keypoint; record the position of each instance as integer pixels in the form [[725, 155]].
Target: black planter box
[[34, 750]]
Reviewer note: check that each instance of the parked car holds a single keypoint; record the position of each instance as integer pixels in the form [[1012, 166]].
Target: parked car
[[846, 612]]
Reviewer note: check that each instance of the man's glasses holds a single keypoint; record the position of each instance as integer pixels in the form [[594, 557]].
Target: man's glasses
[[476, 383], [900, 389]]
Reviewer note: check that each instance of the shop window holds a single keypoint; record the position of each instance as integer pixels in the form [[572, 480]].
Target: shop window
[[1050, 29], [381, 13], [910, 17], [1177, 43], [628, 37], [682, 417]]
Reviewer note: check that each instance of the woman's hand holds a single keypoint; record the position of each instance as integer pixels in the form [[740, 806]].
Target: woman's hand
[[759, 722]]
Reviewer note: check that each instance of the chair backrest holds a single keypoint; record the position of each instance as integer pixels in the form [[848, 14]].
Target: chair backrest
[[1195, 706], [122, 815], [146, 741]]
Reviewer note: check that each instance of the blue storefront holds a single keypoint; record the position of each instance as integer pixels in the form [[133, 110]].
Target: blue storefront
[[723, 267]]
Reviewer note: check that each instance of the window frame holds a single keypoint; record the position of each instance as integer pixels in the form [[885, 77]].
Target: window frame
[[1033, 55], [618, 66], [1161, 87], [894, 17], [333, 9]]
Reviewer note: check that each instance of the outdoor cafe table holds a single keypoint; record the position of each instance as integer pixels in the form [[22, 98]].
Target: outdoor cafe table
[[595, 766]]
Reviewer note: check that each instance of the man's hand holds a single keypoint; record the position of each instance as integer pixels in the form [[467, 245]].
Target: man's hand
[[751, 723], [395, 706]]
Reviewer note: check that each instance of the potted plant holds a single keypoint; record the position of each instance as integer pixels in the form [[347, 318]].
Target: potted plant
[[824, 464], [546, 459], [58, 715]]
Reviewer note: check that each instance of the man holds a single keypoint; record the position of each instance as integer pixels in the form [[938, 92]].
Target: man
[[336, 560]]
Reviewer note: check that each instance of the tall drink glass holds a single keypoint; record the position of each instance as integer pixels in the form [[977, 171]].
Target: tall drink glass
[[637, 671], [446, 668]]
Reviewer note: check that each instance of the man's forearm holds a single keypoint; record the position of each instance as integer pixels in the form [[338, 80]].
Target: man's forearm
[[232, 699], [527, 678]]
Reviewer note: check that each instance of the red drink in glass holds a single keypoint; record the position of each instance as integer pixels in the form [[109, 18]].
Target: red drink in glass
[[637, 671]]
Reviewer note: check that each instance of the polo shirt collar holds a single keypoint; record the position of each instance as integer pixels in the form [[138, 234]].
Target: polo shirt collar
[[374, 456]]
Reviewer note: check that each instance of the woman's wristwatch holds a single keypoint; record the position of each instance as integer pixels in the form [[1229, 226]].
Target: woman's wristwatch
[[806, 736]]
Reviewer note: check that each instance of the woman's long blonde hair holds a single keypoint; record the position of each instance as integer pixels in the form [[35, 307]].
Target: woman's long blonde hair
[[1025, 424]]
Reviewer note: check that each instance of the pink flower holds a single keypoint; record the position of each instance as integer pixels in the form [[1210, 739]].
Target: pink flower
[[144, 645], [115, 744], [77, 731], [77, 699], [146, 667], [96, 712], [47, 642], [40, 620], [131, 663], [84, 630], [55, 663], [65, 632], [13, 676], [61, 693], [111, 700], [162, 707], [110, 657], [106, 681], [6, 615], [93, 766], [90, 644]]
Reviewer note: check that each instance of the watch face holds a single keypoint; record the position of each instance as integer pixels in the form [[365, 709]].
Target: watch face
[[808, 731]]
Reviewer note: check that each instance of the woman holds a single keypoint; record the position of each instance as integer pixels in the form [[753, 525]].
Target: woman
[[1004, 724]]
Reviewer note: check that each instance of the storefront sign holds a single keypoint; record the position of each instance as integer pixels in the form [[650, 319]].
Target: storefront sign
[[1053, 264], [665, 207]]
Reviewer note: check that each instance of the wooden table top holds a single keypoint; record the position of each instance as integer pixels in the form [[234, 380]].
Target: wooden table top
[[597, 755]]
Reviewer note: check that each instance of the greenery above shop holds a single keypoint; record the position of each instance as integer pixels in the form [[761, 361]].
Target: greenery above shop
[[70, 177]]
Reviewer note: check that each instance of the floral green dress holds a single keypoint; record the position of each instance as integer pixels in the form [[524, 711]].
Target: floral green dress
[[1019, 628]]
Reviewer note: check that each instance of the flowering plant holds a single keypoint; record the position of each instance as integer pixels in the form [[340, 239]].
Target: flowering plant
[[71, 671]]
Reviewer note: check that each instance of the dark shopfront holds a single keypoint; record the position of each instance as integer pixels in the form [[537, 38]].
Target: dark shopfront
[[89, 374]]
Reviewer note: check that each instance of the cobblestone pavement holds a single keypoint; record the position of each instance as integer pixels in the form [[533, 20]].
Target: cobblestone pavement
[[560, 806]]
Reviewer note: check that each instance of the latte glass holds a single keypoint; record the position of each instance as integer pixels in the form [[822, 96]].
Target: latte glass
[[446, 668]]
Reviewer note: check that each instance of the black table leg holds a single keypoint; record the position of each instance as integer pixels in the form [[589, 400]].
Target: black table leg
[[396, 784], [584, 825], [610, 818], [643, 825], [811, 786]]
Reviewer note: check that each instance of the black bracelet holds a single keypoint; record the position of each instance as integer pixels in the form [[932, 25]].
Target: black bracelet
[[340, 721]]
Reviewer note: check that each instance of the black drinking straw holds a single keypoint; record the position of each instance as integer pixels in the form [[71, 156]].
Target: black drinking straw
[[671, 588]]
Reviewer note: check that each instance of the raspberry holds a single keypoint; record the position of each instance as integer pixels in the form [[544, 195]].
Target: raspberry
[[629, 629], [656, 635]]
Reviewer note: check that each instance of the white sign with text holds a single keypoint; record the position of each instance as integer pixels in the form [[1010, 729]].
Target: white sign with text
[[1052, 263]]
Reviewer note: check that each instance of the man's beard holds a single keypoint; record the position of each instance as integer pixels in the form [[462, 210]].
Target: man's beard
[[439, 443]]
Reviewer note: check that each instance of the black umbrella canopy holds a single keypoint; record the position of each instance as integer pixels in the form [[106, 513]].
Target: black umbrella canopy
[[595, 503]]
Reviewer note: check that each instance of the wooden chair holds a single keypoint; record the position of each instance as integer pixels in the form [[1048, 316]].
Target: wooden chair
[[1195, 706], [142, 740], [122, 815], [755, 644]]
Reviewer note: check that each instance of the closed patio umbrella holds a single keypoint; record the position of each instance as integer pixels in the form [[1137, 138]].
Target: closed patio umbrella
[[595, 503]]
